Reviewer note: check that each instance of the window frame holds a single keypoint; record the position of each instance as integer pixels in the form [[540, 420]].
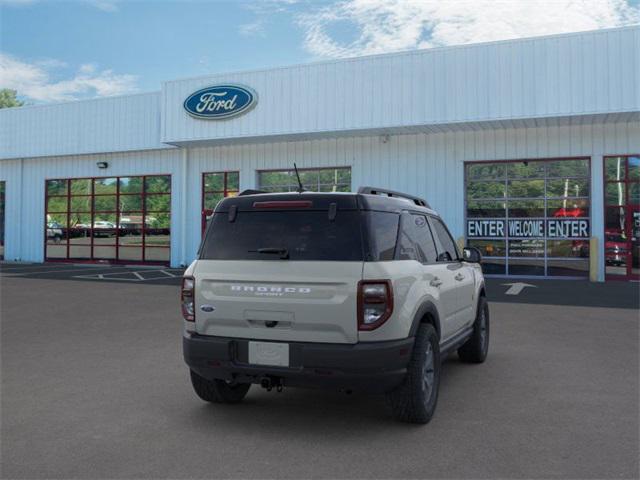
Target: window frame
[[440, 248], [225, 193], [144, 247], [405, 214], [546, 199], [627, 181]]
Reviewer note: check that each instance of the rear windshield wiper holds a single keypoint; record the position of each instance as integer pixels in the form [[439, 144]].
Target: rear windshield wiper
[[283, 252]]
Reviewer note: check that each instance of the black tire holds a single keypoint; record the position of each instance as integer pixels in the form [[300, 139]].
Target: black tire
[[476, 348], [218, 391], [415, 400]]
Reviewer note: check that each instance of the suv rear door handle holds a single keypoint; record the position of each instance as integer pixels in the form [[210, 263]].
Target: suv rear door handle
[[436, 282], [459, 277]]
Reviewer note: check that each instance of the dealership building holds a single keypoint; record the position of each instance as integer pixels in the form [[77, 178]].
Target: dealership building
[[529, 149]]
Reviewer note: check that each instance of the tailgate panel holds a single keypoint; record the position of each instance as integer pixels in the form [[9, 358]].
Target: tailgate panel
[[305, 301]]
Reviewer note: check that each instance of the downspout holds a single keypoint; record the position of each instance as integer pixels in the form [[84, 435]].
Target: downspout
[[183, 207], [21, 244]]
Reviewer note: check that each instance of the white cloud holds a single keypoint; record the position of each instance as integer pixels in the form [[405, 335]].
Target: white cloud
[[390, 25], [35, 82], [252, 28], [104, 5]]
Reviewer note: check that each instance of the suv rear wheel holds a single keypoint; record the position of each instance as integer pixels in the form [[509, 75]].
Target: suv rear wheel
[[218, 391], [415, 400], [476, 348]]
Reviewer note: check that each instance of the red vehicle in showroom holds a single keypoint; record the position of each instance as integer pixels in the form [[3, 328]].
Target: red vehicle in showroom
[[615, 247]]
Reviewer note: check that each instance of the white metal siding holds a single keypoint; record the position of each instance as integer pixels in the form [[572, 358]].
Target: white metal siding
[[558, 76], [112, 124], [11, 174], [428, 165], [25, 196]]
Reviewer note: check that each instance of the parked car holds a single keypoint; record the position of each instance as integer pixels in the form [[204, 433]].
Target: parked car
[[54, 232], [353, 291], [102, 228]]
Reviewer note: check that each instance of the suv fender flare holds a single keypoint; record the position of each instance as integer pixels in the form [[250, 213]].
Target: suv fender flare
[[429, 308]]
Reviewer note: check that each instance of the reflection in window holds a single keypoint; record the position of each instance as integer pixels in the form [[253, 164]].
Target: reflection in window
[[614, 168], [486, 171], [525, 208], [569, 208], [525, 188], [490, 248], [215, 187], [568, 248], [568, 188], [528, 169], [315, 180], [568, 168], [517, 195], [486, 190], [106, 218], [485, 209], [615, 193]]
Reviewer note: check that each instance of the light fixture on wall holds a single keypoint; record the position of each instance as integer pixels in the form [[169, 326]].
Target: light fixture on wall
[[102, 164]]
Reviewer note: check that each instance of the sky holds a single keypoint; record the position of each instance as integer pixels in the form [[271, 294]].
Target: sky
[[54, 50]]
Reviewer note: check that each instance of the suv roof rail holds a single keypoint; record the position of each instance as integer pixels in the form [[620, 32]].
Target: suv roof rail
[[250, 192], [390, 193]]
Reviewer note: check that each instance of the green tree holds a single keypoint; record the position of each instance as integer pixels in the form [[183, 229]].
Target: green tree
[[8, 98]]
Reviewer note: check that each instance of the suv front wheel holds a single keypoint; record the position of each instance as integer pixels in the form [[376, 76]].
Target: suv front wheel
[[415, 400], [218, 391]]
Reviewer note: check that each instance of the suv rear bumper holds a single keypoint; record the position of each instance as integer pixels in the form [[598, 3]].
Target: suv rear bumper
[[370, 367]]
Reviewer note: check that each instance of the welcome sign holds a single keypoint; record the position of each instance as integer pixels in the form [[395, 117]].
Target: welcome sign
[[528, 228], [220, 102]]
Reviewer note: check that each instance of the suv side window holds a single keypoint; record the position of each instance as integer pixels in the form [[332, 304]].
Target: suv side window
[[416, 242], [449, 251]]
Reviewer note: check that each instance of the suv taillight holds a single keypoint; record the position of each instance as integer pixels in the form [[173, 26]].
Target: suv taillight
[[375, 303], [187, 298]]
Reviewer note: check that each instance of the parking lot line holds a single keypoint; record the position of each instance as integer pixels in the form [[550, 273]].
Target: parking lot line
[[135, 276], [58, 270]]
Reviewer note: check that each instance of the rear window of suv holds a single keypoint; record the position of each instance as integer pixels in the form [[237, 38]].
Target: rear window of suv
[[303, 234]]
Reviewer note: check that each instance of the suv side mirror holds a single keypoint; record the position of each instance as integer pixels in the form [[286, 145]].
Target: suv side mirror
[[471, 255]]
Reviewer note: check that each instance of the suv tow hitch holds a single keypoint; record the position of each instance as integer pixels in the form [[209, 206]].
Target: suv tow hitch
[[268, 383]]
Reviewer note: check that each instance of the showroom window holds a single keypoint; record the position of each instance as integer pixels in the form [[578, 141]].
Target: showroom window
[[119, 219], [2, 187], [215, 187], [622, 217], [530, 218], [313, 179]]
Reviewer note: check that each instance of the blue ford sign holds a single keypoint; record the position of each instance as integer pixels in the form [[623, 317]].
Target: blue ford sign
[[220, 101]]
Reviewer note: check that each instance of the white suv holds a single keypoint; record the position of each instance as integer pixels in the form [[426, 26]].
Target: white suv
[[354, 291]]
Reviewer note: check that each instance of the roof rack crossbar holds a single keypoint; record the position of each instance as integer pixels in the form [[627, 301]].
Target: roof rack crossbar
[[391, 193]]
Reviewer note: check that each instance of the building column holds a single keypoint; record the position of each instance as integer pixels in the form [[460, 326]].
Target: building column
[[247, 178], [184, 205], [597, 211]]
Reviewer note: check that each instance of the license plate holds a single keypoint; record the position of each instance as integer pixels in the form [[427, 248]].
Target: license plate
[[269, 353]]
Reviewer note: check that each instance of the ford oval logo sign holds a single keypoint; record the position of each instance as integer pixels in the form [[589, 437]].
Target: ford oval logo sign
[[220, 102]]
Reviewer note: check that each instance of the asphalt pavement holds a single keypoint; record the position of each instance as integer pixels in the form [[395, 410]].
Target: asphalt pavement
[[94, 386]]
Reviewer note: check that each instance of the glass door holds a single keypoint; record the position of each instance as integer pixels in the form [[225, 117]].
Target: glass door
[[622, 217]]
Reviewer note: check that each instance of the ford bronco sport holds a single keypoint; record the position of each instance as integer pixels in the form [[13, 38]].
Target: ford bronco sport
[[354, 291]]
